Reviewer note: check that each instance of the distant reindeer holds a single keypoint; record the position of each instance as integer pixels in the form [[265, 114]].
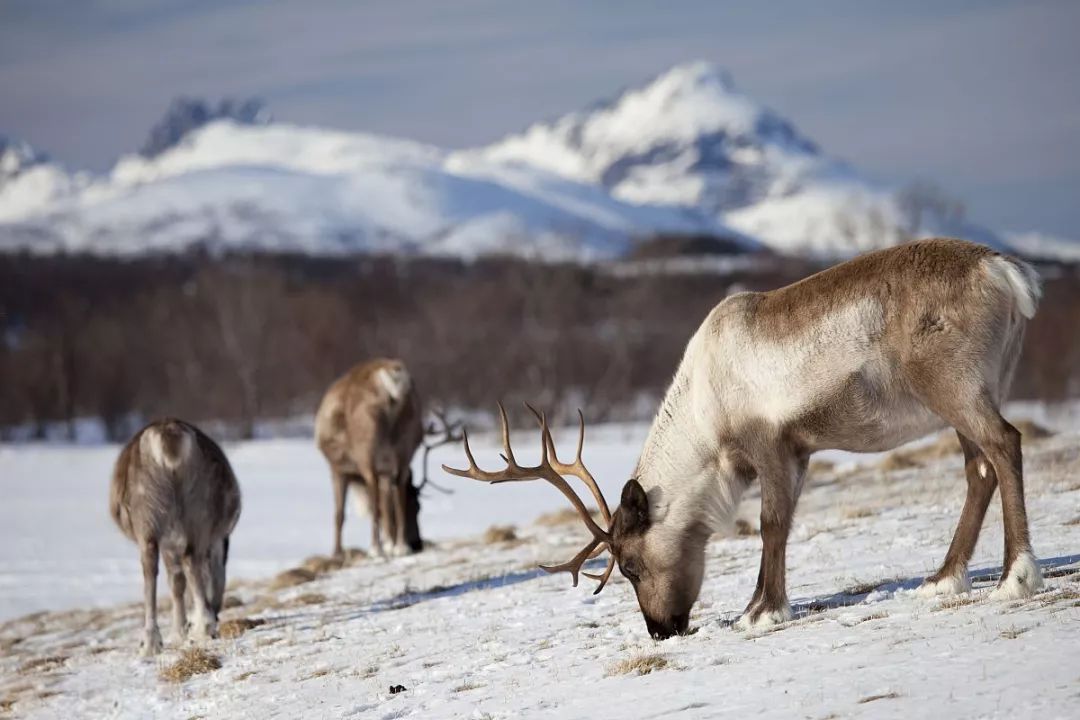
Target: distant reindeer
[[864, 356], [369, 426], [174, 494]]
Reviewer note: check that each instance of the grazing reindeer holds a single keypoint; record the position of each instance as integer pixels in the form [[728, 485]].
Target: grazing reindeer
[[368, 427], [174, 493], [864, 356]]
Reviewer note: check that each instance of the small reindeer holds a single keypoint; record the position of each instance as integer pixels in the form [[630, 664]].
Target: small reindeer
[[174, 494], [369, 426], [864, 356]]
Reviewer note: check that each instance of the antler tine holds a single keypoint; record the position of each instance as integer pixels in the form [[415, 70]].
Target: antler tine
[[518, 473], [577, 467], [573, 566], [508, 453], [603, 577]]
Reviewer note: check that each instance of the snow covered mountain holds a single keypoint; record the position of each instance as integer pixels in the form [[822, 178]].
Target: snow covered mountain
[[281, 187], [685, 153], [690, 138]]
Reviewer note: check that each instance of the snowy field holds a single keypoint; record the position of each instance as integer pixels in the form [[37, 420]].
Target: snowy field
[[471, 629]]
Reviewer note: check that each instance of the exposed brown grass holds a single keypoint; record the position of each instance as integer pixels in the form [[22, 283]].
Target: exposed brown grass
[[744, 528], [42, 664], [565, 516], [854, 513], [946, 444], [1013, 632], [193, 661], [230, 602], [1074, 521], [231, 629], [465, 687], [883, 696], [311, 598], [1031, 430], [956, 601], [500, 534], [323, 564], [862, 588], [243, 676], [292, 578], [641, 664]]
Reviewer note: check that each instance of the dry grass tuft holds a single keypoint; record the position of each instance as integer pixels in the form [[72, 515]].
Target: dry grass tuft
[[465, 687], [230, 602], [1031, 430], [884, 696], [873, 616], [323, 564], [500, 534], [311, 598], [638, 665], [947, 445], [193, 661], [291, 578], [231, 629], [854, 513], [1074, 521], [42, 664], [863, 588], [1013, 632], [744, 528], [243, 676], [565, 516], [956, 601], [317, 674]]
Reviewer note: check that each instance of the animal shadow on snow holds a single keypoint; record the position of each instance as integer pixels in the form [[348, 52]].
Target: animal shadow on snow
[[981, 578]]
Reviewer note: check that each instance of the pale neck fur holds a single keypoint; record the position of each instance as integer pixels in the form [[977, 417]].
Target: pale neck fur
[[682, 468]]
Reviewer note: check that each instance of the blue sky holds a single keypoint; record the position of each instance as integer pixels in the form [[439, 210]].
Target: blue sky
[[981, 97]]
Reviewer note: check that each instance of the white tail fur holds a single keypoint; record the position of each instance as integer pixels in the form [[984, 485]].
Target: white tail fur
[[1019, 280]]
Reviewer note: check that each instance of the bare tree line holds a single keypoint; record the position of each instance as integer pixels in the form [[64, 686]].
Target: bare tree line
[[244, 337]]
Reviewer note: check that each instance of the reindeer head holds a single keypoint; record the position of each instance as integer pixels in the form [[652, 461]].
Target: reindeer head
[[659, 561]]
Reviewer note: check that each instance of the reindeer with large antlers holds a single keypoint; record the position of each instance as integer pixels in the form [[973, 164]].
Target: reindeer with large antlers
[[864, 356]]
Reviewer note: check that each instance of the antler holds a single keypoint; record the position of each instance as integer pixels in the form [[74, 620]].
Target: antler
[[552, 470], [451, 432]]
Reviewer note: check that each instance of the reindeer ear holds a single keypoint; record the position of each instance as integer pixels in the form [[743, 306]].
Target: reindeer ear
[[635, 506]]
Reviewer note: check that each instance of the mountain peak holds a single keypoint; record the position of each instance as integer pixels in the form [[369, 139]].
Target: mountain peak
[[17, 156], [686, 137]]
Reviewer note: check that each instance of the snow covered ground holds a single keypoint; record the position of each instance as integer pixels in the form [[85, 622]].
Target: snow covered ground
[[472, 629]]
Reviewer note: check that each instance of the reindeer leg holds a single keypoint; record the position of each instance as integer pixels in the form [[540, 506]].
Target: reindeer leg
[[401, 499], [375, 501], [151, 643], [178, 586], [975, 415], [952, 578], [340, 483], [779, 486], [196, 570]]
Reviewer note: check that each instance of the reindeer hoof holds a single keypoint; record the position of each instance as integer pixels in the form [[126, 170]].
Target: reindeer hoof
[[760, 618], [944, 585], [151, 643], [178, 636], [1022, 581], [201, 632]]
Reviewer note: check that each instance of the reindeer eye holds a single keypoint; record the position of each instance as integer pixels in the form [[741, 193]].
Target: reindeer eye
[[630, 570]]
